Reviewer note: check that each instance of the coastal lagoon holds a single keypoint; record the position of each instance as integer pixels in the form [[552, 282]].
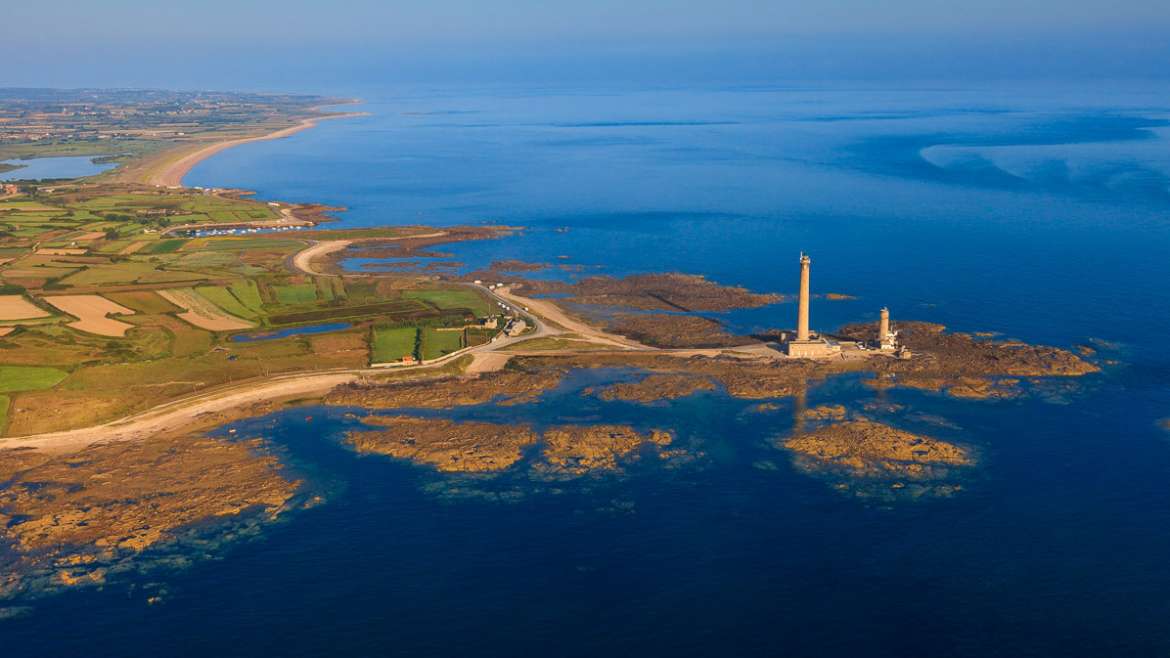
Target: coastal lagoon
[[1041, 214], [52, 168]]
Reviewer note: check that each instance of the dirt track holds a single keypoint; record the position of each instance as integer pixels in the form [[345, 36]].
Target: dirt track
[[553, 313], [177, 415]]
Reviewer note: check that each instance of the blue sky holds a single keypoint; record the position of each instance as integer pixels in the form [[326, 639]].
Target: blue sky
[[276, 43]]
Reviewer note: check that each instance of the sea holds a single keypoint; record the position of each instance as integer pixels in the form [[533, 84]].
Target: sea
[[1038, 212]]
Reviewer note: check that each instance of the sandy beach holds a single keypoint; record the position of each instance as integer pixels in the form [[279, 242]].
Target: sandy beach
[[170, 172], [303, 260]]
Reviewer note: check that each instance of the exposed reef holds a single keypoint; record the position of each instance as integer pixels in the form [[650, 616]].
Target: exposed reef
[[674, 331], [959, 365], [485, 448], [869, 458], [76, 519], [743, 378], [506, 387], [399, 247], [665, 386], [574, 450], [965, 365], [463, 447], [825, 412], [671, 291], [514, 265], [667, 292]]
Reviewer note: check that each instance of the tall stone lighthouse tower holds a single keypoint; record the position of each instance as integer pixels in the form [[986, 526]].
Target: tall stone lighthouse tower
[[802, 314], [804, 346]]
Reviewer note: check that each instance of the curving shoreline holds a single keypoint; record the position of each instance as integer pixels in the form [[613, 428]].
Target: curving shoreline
[[172, 172]]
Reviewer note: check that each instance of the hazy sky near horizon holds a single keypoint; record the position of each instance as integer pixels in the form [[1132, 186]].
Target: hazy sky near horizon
[[273, 43]]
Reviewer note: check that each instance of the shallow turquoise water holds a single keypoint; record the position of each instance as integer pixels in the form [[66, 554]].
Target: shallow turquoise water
[[1043, 214]]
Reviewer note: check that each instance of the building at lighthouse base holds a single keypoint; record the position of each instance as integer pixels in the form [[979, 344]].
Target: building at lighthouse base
[[814, 348]]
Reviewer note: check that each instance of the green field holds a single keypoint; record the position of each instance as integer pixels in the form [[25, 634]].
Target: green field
[[4, 401], [249, 295], [261, 244], [453, 299], [403, 310], [164, 247], [324, 289], [477, 336], [143, 301], [223, 298], [296, 293], [125, 272], [437, 343], [392, 343], [29, 378]]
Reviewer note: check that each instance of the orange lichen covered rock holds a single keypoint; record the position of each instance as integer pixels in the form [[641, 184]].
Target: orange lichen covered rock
[[663, 386], [667, 292], [465, 447], [71, 519], [825, 412], [506, 386], [579, 449], [673, 331], [867, 449]]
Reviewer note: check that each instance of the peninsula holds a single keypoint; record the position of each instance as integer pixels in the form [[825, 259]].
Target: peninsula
[[137, 314]]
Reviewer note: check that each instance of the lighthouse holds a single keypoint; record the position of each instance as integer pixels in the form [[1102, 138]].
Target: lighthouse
[[802, 311], [885, 338], [805, 346]]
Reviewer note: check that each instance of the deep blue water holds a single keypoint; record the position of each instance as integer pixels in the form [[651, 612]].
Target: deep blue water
[[1041, 213], [61, 167]]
